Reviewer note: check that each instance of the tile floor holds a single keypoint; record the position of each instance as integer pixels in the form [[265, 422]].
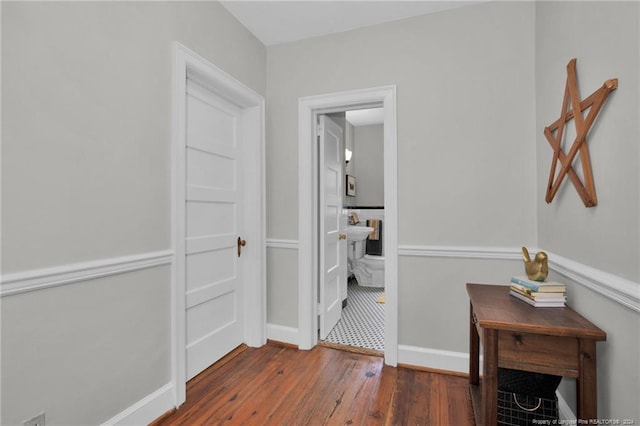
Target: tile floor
[[362, 322]]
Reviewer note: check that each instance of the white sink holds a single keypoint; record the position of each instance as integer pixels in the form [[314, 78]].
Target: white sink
[[358, 233]]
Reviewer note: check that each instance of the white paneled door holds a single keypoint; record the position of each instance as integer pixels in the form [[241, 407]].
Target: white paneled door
[[213, 234], [333, 243]]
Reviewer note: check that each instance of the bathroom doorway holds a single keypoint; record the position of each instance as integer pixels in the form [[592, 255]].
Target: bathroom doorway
[[361, 325], [310, 108]]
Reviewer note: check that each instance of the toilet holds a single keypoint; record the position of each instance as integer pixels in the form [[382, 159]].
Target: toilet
[[368, 268], [369, 271]]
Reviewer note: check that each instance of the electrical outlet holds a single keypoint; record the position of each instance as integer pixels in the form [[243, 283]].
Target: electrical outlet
[[36, 421]]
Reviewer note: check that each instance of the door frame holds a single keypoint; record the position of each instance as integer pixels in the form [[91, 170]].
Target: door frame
[[308, 110], [252, 123]]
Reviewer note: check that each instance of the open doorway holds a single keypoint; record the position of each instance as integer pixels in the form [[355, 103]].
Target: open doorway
[[361, 149], [309, 267]]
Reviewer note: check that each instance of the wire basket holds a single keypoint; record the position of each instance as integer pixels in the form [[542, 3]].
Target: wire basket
[[528, 383], [521, 410]]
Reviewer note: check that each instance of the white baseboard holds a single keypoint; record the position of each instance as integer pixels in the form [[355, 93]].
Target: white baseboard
[[565, 410], [147, 409], [282, 334], [433, 358]]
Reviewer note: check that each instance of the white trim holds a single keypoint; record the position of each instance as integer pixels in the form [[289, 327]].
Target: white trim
[[564, 411], [308, 109], [147, 409], [307, 225], [502, 253], [283, 244], [188, 63], [433, 358], [618, 289], [39, 279], [178, 219], [255, 253], [282, 333]]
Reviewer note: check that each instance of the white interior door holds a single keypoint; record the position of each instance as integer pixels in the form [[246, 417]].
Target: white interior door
[[213, 211], [333, 241]]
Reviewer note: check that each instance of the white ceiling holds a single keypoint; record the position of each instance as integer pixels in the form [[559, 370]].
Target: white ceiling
[[365, 117], [275, 22]]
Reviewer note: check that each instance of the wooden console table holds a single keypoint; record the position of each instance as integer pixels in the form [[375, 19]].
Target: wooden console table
[[518, 336]]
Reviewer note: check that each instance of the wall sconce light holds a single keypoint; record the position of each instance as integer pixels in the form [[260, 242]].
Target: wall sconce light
[[347, 156]]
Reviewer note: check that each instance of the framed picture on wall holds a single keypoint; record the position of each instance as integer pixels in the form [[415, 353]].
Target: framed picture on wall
[[351, 186]]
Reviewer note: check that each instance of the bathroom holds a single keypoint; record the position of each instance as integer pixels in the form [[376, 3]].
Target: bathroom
[[362, 323]]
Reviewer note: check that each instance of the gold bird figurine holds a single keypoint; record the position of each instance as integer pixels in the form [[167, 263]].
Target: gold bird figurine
[[537, 269]]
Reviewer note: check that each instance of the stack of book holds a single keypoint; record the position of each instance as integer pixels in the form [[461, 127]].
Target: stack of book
[[539, 294]]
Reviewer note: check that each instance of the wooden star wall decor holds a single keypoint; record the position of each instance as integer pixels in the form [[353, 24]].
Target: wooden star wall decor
[[595, 101]]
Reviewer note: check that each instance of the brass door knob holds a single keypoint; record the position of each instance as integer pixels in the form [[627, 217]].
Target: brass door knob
[[342, 237], [241, 243]]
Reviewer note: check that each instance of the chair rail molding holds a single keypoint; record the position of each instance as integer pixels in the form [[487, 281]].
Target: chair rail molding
[[461, 252], [616, 288], [283, 244], [39, 279]]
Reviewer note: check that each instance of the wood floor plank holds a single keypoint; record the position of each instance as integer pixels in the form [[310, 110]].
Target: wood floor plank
[[276, 385], [240, 392], [308, 383], [414, 398], [357, 396], [254, 388], [437, 403], [325, 390], [206, 395], [353, 378], [289, 375], [458, 396], [380, 410]]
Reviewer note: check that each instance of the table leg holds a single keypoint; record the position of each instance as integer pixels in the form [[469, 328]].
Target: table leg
[[474, 350], [587, 393], [490, 377]]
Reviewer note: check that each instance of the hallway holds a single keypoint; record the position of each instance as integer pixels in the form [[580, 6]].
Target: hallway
[[278, 385]]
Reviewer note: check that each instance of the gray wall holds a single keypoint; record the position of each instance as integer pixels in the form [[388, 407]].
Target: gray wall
[[464, 178], [86, 132], [350, 169], [84, 352], [368, 159], [604, 37], [461, 172], [86, 96], [608, 49], [476, 86]]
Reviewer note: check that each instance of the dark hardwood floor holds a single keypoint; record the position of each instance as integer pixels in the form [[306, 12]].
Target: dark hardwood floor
[[279, 385]]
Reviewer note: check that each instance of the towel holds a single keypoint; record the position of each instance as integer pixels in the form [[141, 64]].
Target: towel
[[375, 224], [374, 242]]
